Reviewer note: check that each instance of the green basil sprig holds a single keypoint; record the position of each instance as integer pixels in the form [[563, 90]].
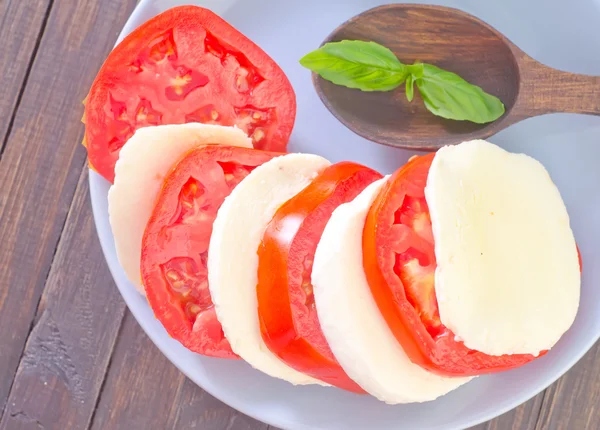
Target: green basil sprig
[[369, 66]]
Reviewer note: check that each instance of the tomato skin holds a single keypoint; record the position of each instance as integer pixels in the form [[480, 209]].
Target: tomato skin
[[425, 340], [186, 65], [175, 243], [288, 318]]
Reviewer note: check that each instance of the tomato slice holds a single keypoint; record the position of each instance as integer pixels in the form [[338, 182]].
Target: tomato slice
[[186, 65], [399, 262], [288, 317], [175, 243]]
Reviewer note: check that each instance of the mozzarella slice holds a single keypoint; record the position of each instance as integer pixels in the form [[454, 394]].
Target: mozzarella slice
[[143, 163], [508, 277], [233, 260], [356, 332]]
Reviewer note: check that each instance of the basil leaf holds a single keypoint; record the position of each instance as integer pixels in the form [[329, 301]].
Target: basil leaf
[[366, 66], [416, 70], [448, 95], [410, 89]]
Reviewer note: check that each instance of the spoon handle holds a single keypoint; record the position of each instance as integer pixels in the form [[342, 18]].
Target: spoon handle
[[547, 90]]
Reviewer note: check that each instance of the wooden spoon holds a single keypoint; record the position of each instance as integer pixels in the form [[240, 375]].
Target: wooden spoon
[[458, 42]]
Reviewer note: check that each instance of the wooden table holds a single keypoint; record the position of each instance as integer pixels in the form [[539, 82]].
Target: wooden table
[[71, 355]]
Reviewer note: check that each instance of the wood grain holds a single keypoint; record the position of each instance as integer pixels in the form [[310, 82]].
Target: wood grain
[[144, 390], [523, 417], [573, 402], [546, 90], [447, 38], [67, 353], [42, 161], [21, 26], [461, 43]]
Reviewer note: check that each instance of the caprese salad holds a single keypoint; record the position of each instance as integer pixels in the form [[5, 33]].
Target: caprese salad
[[404, 286]]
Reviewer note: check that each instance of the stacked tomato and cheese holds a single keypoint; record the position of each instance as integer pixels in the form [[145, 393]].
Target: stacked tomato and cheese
[[404, 287], [460, 263]]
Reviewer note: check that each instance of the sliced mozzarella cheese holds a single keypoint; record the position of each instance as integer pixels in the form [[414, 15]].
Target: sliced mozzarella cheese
[[143, 164], [507, 278], [233, 260], [358, 335]]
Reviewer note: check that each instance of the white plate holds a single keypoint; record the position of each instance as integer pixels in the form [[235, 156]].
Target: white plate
[[568, 145]]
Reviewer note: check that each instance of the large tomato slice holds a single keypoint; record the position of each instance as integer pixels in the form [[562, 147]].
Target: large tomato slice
[[399, 262], [186, 65], [175, 243], [286, 307]]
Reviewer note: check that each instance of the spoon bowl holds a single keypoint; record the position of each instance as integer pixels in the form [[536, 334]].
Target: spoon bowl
[[460, 43]]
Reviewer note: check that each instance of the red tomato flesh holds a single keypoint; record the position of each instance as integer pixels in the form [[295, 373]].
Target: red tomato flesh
[[286, 307], [186, 65], [175, 243], [399, 262]]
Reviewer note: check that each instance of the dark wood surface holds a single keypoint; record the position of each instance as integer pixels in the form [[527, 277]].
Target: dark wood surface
[[71, 355], [461, 43]]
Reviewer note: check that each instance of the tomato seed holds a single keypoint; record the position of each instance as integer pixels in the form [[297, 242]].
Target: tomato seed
[[172, 275], [258, 135]]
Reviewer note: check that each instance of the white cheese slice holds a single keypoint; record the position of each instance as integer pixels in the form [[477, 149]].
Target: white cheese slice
[[507, 278], [233, 260], [143, 163], [354, 328]]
